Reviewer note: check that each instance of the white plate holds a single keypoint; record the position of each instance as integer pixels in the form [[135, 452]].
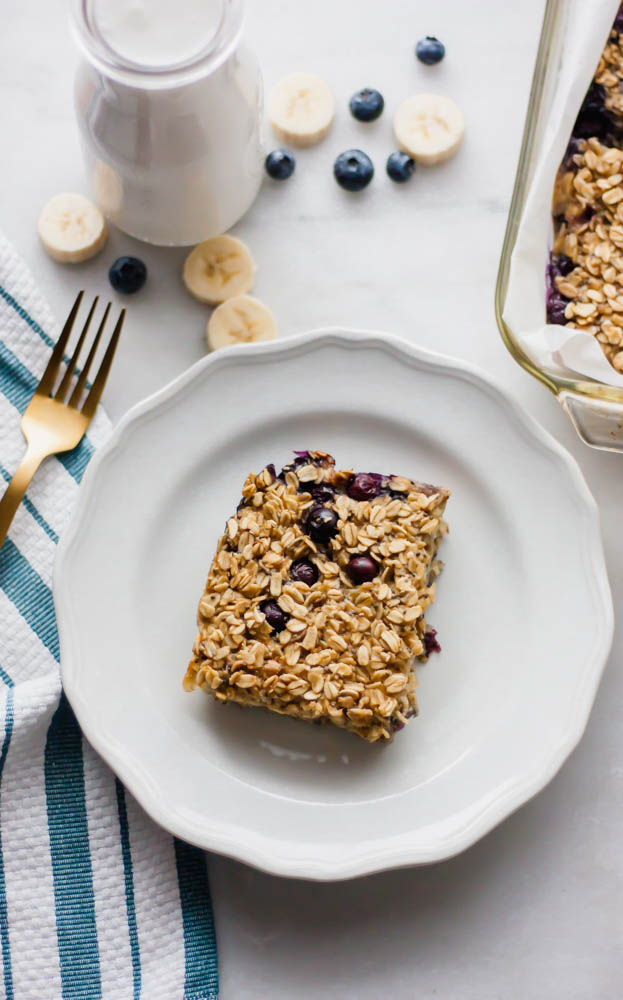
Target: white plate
[[523, 607]]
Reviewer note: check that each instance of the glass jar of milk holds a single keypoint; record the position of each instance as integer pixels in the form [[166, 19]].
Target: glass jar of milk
[[169, 107]]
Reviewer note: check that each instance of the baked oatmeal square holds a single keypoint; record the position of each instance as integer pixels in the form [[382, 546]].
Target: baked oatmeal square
[[315, 602]]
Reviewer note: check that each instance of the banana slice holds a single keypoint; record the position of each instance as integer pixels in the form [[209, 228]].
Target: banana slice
[[429, 127], [218, 269], [71, 228], [301, 109], [241, 320]]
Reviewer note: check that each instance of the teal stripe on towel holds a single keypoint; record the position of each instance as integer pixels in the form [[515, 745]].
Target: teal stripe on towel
[[32, 510], [128, 872], [16, 381], [6, 679], [45, 337], [71, 858], [8, 298], [201, 964], [30, 594]]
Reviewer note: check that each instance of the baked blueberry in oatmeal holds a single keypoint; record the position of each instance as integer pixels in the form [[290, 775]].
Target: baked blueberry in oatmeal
[[585, 272], [315, 602]]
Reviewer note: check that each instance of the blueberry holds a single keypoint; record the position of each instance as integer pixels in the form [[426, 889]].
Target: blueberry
[[280, 164], [595, 98], [366, 105], [321, 492], [275, 617], [353, 170], [127, 275], [430, 50], [361, 569], [322, 524], [365, 486], [593, 119], [555, 302], [592, 123], [304, 571], [556, 305], [561, 264], [431, 644], [400, 167]]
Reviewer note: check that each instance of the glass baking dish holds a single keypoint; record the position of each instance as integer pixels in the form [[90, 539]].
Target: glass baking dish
[[595, 409]]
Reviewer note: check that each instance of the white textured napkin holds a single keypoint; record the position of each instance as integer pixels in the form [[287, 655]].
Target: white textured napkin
[[96, 901]]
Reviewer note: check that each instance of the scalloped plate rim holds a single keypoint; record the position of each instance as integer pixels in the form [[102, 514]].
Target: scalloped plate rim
[[256, 849]]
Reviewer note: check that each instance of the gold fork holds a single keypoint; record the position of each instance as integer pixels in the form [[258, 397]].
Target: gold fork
[[51, 425]]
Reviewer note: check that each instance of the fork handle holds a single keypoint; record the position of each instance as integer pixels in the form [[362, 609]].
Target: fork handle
[[16, 489]]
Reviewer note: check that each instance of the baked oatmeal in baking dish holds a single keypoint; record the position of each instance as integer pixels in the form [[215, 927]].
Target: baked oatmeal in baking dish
[[316, 599], [585, 274]]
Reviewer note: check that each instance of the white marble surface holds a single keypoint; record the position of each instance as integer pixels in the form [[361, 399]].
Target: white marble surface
[[533, 911]]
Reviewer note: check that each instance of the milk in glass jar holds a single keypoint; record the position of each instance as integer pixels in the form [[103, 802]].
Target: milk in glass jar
[[169, 106]]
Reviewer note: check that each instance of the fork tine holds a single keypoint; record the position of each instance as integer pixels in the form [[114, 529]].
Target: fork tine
[[47, 380], [84, 374], [71, 367], [100, 379]]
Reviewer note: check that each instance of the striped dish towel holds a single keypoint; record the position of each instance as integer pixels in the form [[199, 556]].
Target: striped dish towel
[[96, 901]]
